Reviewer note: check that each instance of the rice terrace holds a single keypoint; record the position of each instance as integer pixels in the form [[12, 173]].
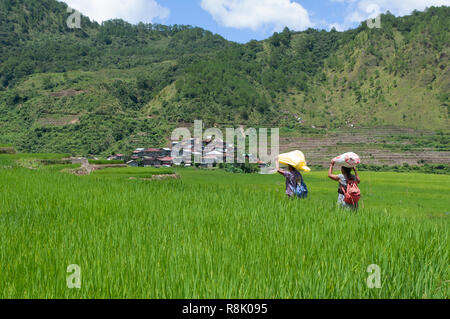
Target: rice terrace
[[214, 234], [102, 198]]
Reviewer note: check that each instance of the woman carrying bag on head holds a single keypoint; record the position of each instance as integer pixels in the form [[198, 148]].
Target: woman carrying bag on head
[[295, 185]]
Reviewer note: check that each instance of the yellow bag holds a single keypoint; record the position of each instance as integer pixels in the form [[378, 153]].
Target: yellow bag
[[295, 159]]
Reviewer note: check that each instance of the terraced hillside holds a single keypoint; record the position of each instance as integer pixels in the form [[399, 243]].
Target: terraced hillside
[[114, 87], [379, 146]]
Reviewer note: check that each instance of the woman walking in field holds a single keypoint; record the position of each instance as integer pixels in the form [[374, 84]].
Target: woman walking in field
[[345, 179], [293, 178]]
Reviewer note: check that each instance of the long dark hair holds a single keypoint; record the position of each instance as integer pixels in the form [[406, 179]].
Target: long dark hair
[[346, 171]]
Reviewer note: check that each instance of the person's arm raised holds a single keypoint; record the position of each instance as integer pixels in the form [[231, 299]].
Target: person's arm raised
[[356, 175], [278, 167], [330, 173]]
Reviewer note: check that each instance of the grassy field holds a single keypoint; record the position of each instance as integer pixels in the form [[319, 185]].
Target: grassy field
[[135, 172], [212, 234]]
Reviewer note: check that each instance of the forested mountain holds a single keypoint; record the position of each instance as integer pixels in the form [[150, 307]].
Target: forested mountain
[[115, 86], [35, 38]]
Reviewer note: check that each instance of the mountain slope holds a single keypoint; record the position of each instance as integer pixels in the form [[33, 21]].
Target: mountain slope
[[397, 75], [35, 38], [115, 86]]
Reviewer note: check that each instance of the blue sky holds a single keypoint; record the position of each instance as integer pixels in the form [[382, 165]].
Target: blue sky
[[244, 20], [190, 12]]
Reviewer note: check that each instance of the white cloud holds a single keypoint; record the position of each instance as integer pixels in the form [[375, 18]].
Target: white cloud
[[361, 10], [258, 14], [132, 11], [398, 7]]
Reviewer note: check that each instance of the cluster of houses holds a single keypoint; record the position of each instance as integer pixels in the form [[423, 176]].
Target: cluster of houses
[[211, 152], [156, 157]]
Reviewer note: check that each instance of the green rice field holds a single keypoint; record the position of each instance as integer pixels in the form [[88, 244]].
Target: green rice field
[[212, 234]]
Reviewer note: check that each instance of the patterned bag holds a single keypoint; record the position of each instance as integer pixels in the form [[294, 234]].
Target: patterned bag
[[301, 191], [348, 160]]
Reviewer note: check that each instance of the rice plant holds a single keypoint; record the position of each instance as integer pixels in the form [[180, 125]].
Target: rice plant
[[212, 234]]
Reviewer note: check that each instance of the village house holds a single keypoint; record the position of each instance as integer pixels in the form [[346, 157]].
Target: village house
[[133, 163], [212, 151], [157, 162], [154, 152], [167, 152], [151, 161], [116, 157], [210, 160], [166, 161], [138, 153], [151, 157]]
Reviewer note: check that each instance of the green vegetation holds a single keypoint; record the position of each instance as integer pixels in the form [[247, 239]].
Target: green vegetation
[[109, 88], [104, 162], [438, 142], [426, 168], [32, 161], [12, 159], [246, 168], [213, 234], [136, 172], [113, 87]]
